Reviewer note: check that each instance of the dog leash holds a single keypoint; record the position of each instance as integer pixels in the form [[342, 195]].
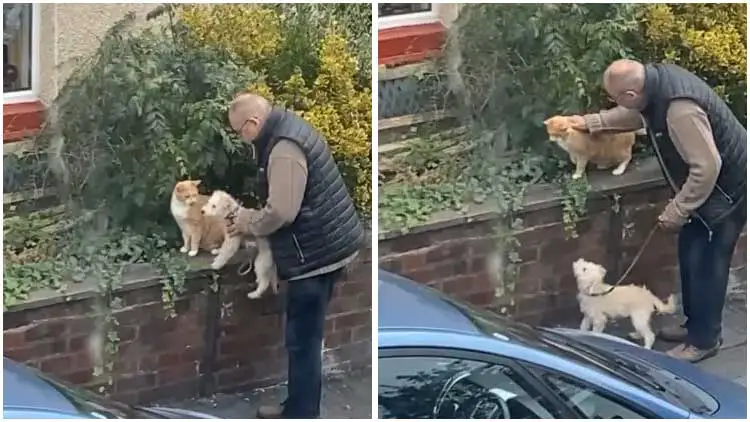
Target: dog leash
[[632, 264]]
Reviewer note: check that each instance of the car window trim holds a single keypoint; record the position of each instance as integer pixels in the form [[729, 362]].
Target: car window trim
[[539, 372], [515, 365]]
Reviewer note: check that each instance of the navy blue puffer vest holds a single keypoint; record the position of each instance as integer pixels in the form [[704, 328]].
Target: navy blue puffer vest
[[665, 83], [328, 228]]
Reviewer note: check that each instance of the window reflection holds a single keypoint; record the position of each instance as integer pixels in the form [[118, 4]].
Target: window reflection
[[449, 388], [17, 46]]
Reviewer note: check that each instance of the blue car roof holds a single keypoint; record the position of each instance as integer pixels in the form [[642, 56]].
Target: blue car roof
[[22, 388], [404, 304]]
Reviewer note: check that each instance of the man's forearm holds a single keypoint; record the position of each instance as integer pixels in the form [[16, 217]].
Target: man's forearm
[[618, 119], [691, 134], [287, 180]]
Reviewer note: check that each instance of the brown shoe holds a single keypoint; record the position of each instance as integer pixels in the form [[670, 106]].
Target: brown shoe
[[692, 354], [673, 333], [270, 412]]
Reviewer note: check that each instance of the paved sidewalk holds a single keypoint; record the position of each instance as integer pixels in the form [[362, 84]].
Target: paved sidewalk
[[344, 397], [731, 361]]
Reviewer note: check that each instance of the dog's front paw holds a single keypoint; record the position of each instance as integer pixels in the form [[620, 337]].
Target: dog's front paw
[[254, 295], [618, 171], [577, 176], [215, 251], [184, 249], [193, 253], [216, 265]]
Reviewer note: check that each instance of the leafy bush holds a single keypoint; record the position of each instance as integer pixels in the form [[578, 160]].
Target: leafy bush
[[708, 39], [146, 111], [524, 62], [312, 72]]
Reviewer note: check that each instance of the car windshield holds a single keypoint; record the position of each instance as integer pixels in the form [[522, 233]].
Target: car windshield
[[644, 375], [92, 404]]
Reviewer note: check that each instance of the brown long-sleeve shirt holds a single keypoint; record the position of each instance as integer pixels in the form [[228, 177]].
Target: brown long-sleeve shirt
[[287, 180], [691, 133]]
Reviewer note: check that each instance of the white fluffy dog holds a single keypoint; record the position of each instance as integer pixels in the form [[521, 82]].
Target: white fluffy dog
[[636, 302], [222, 204]]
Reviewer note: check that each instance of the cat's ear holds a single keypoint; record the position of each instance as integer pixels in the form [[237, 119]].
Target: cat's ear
[[196, 182]]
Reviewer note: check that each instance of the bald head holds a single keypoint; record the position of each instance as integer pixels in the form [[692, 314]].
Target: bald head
[[247, 113], [624, 80], [250, 104], [625, 74]]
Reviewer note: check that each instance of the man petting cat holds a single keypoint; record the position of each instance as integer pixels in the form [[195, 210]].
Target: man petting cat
[[702, 150], [314, 231]]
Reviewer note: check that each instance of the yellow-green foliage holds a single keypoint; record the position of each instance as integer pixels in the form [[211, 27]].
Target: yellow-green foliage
[[708, 39], [331, 101], [249, 31]]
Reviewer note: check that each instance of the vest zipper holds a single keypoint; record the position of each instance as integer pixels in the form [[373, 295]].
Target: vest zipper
[[729, 198], [671, 182], [300, 255]]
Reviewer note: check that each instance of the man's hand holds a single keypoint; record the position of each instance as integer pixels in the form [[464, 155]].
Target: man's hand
[[240, 225], [576, 122], [670, 220]]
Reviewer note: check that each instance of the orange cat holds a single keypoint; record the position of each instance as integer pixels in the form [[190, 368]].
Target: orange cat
[[198, 230], [606, 150]]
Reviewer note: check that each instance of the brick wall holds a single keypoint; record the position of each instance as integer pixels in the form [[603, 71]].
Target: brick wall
[[173, 358], [454, 257]]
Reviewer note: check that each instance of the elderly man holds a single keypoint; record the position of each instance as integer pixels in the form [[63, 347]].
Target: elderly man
[[314, 231], [701, 147]]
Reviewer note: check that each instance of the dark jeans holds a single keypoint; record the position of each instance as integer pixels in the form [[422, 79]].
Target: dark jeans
[[307, 301], [704, 274]]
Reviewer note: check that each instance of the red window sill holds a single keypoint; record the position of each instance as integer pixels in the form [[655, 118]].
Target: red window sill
[[21, 120], [410, 44]]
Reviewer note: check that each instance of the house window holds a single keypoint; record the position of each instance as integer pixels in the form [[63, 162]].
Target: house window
[[20, 42], [405, 14]]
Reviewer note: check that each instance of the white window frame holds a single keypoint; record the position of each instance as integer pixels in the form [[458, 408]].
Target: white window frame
[[33, 93], [419, 18]]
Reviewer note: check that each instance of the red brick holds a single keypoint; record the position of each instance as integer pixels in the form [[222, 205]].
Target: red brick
[[354, 288], [343, 322], [168, 359], [77, 343], [362, 333], [343, 304], [130, 383], [530, 276], [483, 298], [191, 354], [56, 364], [460, 284], [173, 374], [14, 339], [338, 338], [148, 363], [78, 377], [44, 330], [80, 325], [412, 261]]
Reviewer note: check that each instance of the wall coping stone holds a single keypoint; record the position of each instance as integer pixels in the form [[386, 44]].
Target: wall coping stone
[[135, 277], [640, 175]]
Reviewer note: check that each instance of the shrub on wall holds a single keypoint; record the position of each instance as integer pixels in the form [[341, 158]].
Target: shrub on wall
[[313, 73], [708, 39], [521, 63], [144, 112]]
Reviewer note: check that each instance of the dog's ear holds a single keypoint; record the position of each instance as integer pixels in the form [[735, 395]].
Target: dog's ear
[[546, 122], [196, 182], [602, 271]]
